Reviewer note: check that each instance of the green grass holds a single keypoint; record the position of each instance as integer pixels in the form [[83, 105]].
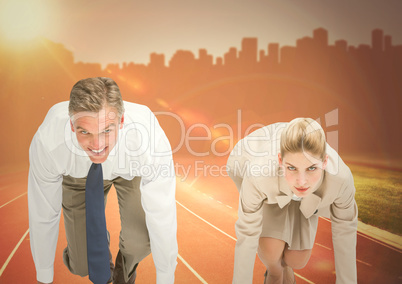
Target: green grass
[[379, 197]]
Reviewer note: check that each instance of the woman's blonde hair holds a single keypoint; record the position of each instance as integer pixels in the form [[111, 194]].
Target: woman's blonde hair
[[92, 94], [303, 135]]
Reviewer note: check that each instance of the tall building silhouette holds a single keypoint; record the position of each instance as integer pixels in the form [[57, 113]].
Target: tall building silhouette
[[377, 40], [230, 58], [157, 60], [320, 36], [248, 53], [204, 59], [182, 59]]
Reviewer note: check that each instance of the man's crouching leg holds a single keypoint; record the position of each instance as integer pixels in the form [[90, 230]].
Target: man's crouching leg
[[75, 254], [134, 238]]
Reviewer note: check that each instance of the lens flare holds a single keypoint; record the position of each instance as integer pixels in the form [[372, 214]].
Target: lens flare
[[22, 20]]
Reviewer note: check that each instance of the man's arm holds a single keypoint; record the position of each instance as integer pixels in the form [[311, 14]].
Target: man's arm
[[344, 231], [159, 203], [44, 203]]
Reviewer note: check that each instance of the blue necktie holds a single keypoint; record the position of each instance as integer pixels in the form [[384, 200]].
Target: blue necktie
[[97, 243]]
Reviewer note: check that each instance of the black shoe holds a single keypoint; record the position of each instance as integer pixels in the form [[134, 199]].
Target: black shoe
[[118, 274], [265, 276]]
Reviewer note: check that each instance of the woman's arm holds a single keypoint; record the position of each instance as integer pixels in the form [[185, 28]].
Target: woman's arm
[[344, 231], [248, 230]]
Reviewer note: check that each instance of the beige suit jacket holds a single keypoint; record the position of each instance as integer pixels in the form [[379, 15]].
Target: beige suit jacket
[[253, 166]]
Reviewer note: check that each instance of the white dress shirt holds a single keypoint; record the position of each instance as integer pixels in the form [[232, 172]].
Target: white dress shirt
[[142, 150]]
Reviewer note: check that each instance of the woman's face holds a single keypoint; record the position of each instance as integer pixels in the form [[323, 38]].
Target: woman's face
[[303, 172]]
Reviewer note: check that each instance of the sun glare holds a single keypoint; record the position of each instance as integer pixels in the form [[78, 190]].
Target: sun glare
[[21, 19]]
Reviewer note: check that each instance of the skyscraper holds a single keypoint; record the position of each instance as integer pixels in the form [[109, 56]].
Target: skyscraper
[[248, 54], [320, 36], [377, 40], [157, 60]]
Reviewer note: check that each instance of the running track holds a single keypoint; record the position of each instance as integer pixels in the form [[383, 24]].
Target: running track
[[207, 211]]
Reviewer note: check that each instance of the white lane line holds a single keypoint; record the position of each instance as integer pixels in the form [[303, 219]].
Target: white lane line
[[4, 187], [205, 221], [368, 264], [12, 200], [358, 260], [305, 279], [194, 181], [12, 253], [360, 234], [192, 270], [203, 193], [323, 246], [370, 238], [379, 242], [298, 275]]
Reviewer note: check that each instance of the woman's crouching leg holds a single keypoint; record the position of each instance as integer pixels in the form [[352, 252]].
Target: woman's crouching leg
[[297, 259], [270, 252]]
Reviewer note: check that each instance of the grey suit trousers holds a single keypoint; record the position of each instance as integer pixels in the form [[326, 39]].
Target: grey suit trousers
[[134, 242]]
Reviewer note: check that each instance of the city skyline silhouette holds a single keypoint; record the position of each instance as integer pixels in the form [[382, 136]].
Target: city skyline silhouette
[[277, 84], [273, 55]]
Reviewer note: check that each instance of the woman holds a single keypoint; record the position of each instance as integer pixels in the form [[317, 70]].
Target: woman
[[287, 176]]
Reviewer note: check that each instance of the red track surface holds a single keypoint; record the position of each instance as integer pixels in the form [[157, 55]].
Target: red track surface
[[207, 211]]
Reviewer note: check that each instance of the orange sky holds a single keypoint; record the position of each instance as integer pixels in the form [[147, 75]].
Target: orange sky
[[122, 31]]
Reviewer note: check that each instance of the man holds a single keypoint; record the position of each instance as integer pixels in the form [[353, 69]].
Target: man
[[97, 135]]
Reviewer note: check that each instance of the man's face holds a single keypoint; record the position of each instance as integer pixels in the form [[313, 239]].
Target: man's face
[[97, 132], [303, 172]]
